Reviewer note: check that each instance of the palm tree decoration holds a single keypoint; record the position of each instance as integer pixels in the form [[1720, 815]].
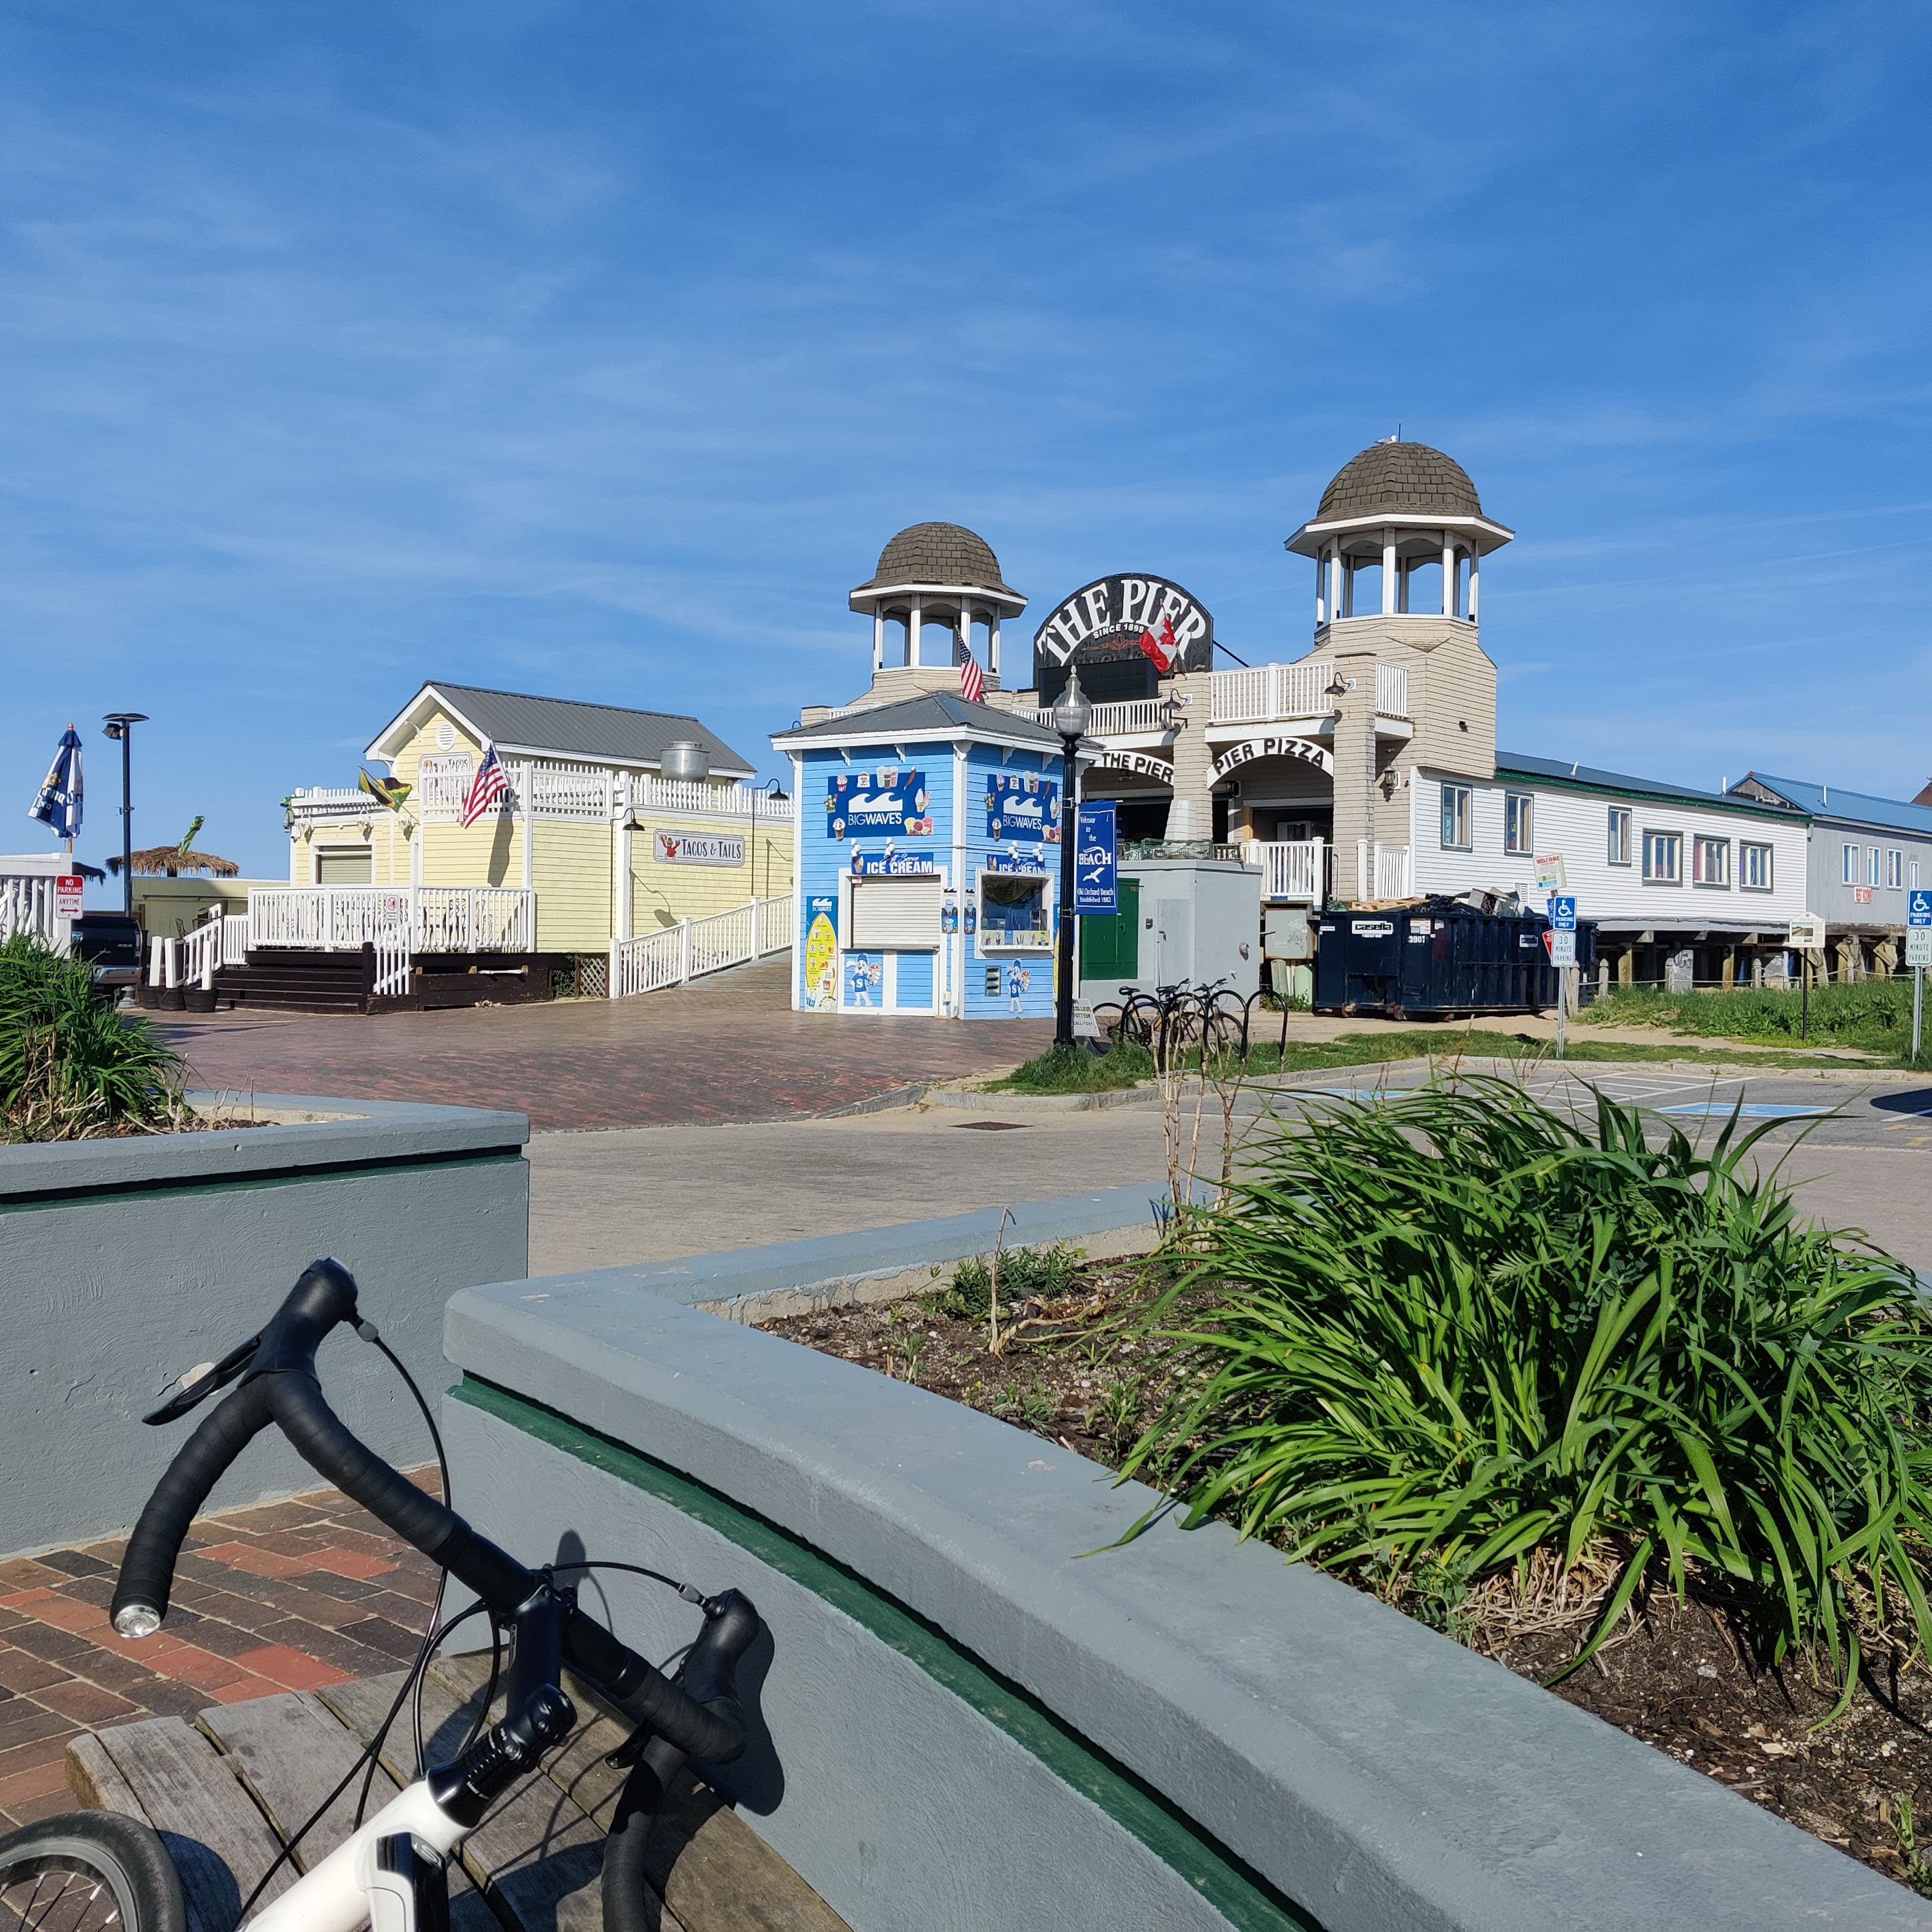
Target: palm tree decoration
[[171, 861]]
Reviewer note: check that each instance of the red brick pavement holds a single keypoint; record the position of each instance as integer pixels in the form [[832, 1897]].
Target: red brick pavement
[[727, 1049], [283, 1597]]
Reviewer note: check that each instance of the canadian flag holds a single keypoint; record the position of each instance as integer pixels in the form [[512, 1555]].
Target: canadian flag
[[1149, 649]]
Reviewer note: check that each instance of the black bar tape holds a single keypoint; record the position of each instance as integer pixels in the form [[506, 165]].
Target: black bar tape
[[706, 1720], [148, 1569]]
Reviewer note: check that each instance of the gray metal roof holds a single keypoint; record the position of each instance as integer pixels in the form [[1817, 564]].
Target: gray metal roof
[[1839, 803], [938, 714], [516, 722], [1520, 764]]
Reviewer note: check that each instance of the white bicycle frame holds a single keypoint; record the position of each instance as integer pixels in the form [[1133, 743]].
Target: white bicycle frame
[[350, 1889]]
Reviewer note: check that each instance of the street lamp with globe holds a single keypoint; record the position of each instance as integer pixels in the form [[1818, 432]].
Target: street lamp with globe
[[1071, 717]]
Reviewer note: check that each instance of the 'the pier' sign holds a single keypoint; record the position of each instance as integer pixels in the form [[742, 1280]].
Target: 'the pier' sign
[[1107, 618]]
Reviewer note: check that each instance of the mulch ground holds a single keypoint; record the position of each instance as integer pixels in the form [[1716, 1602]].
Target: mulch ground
[[285, 1596], [1074, 1369]]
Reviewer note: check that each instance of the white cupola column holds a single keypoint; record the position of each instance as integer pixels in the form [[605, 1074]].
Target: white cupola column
[[993, 642], [1334, 583], [878, 637], [1388, 574], [1448, 576], [913, 624], [965, 628], [1475, 570]]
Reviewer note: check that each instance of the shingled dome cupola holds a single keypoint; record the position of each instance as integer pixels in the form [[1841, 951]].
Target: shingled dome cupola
[[1399, 532], [940, 573]]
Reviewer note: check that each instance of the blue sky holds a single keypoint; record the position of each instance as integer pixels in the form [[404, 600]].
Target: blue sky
[[595, 350]]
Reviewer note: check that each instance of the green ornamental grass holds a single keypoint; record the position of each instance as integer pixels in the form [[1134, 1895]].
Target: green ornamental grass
[[1449, 1329], [69, 1065]]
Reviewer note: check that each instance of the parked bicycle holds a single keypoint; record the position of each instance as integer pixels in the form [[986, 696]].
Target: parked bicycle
[[1179, 1022], [85, 1871]]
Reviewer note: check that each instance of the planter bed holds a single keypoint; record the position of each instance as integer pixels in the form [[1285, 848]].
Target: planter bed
[[1074, 1370]]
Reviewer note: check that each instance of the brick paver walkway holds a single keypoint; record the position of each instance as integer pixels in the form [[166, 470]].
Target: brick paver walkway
[[282, 1596], [727, 1049]]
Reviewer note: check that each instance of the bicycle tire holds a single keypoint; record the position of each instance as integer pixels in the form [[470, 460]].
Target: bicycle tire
[[101, 1868]]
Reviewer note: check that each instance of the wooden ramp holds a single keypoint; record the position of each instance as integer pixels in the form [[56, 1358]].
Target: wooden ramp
[[224, 1789]]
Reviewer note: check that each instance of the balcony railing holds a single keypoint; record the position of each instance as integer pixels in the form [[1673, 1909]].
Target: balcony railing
[[1268, 694], [433, 919], [1293, 870], [1119, 719], [1393, 875], [588, 793]]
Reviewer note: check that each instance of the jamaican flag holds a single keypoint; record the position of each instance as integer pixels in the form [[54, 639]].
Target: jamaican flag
[[390, 792]]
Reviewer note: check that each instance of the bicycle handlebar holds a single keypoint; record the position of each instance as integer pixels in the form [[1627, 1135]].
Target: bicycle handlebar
[[281, 1386]]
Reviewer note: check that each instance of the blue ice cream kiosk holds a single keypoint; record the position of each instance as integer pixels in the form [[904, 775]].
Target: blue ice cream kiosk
[[928, 835]]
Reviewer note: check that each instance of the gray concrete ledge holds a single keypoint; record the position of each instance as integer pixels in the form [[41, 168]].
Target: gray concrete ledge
[[1381, 1776], [305, 1132], [982, 1102], [882, 1264]]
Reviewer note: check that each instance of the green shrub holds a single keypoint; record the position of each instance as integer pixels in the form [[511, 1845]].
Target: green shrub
[[69, 1065], [1075, 1069], [1447, 1330], [1044, 1273]]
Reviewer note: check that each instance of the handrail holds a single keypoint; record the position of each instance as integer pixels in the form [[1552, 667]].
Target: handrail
[[695, 946]]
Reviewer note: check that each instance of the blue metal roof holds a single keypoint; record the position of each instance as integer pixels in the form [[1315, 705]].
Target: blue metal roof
[[1521, 764], [1858, 808]]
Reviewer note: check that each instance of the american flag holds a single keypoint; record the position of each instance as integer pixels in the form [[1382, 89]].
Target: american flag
[[488, 786], [972, 682]]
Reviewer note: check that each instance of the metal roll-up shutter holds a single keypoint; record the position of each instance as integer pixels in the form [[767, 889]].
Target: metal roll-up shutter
[[895, 913]]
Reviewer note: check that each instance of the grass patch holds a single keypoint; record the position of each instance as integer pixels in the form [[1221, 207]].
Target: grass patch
[[1456, 1335], [1078, 1070], [71, 1067], [1872, 1016]]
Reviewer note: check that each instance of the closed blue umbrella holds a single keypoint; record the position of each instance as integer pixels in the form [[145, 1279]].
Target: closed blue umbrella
[[58, 802]]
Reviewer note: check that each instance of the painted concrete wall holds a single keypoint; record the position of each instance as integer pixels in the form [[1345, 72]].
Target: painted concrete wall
[[1577, 825], [126, 1261], [1375, 1774]]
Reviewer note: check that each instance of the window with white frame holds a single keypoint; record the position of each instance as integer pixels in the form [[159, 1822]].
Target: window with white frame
[[1519, 822], [1013, 913], [1848, 865], [1894, 869], [1871, 865], [1663, 858], [1620, 834], [1754, 870], [1455, 818], [1710, 861]]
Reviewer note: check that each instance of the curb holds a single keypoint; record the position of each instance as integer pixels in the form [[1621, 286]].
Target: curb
[[979, 1103]]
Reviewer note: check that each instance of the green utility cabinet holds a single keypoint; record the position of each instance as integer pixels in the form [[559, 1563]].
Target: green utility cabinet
[[1110, 949]]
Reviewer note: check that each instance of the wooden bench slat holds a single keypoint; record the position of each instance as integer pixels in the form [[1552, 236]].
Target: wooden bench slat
[[291, 1751], [95, 1780], [713, 1871], [221, 1844], [538, 1856]]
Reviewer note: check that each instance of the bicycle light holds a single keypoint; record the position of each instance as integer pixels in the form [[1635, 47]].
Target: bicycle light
[[137, 1620]]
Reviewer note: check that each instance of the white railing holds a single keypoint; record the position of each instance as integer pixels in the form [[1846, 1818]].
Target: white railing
[[1392, 690], [433, 919], [695, 946], [27, 905], [589, 794], [393, 964], [328, 801], [1118, 718], [1393, 876], [1292, 868], [200, 954], [235, 939], [1266, 692]]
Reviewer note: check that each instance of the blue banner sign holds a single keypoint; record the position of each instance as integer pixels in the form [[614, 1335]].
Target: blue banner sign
[[1023, 805], [893, 864], [1562, 912], [1918, 908], [889, 803], [1096, 859]]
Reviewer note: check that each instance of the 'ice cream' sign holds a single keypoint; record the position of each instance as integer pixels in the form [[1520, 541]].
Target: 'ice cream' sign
[[891, 803], [1023, 805]]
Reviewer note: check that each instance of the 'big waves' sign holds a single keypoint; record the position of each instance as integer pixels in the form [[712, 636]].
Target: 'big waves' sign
[[891, 800], [1105, 619]]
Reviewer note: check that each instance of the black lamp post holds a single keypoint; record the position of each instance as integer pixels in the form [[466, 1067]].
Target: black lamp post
[[1071, 717], [121, 724], [770, 791]]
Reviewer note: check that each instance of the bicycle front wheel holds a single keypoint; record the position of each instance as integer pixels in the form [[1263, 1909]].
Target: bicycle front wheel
[[86, 1871]]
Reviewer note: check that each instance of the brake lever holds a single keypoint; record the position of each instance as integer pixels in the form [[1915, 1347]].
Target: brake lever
[[200, 1383]]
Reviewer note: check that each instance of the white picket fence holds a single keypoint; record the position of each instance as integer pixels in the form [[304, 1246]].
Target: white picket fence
[[1393, 873], [432, 919], [696, 947], [27, 905]]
